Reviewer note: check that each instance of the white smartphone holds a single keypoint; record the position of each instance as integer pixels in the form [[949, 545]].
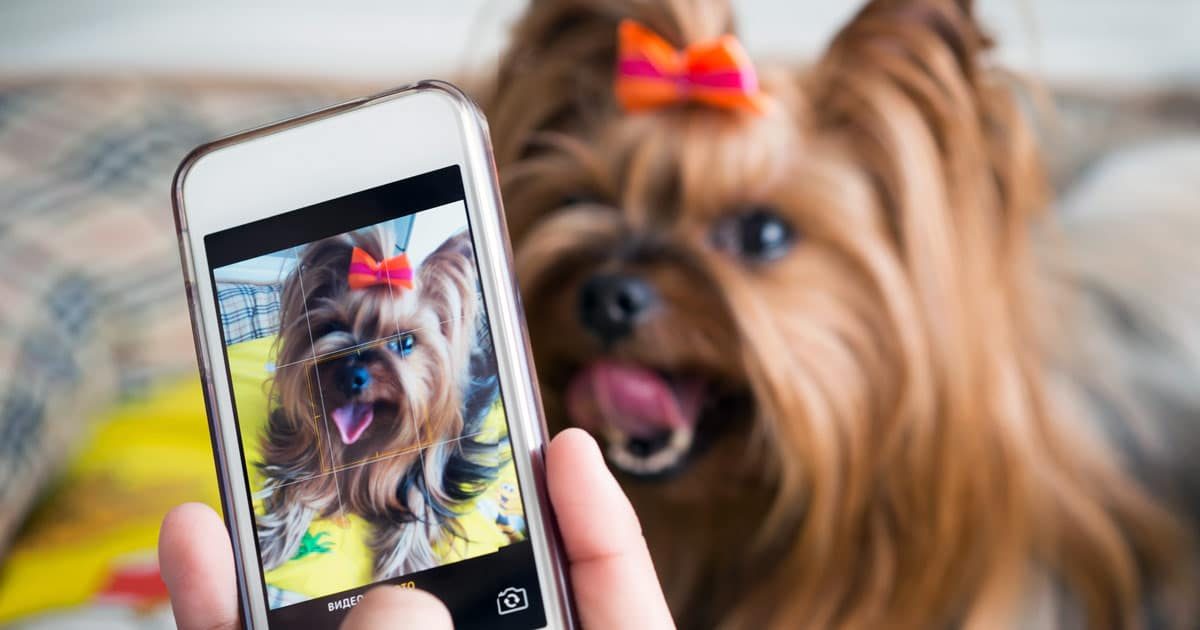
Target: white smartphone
[[373, 407]]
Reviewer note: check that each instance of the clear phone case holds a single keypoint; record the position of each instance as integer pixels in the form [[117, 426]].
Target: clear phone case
[[494, 256]]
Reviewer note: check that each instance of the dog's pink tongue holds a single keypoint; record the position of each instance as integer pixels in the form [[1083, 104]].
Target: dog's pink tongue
[[352, 420], [631, 398]]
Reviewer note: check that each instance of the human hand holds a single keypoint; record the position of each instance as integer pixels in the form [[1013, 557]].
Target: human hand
[[612, 576]]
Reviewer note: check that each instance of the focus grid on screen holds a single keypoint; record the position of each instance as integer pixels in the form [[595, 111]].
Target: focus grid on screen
[[367, 397], [309, 368]]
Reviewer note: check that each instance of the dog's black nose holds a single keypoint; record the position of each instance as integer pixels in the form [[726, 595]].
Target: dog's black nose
[[355, 379], [611, 304]]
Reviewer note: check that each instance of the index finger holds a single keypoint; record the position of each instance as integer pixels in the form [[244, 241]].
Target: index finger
[[614, 582], [196, 562]]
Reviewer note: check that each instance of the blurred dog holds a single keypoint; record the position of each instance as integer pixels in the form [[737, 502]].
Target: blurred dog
[[400, 366], [853, 374]]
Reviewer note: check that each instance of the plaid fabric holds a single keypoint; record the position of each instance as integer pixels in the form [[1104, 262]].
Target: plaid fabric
[[248, 311], [91, 299]]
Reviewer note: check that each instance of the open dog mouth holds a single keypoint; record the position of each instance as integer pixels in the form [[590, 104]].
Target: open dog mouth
[[647, 417], [352, 420]]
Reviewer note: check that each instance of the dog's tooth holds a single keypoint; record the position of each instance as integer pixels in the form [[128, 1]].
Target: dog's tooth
[[681, 438], [677, 447]]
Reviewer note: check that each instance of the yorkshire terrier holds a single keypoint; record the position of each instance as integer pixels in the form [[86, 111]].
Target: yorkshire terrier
[[380, 387], [852, 372]]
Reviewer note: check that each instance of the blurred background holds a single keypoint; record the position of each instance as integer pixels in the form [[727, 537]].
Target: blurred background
[[102, 426], [1119, 41]]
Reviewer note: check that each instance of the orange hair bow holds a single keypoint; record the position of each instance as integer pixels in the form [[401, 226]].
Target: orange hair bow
[[365, 271], [651, 73]]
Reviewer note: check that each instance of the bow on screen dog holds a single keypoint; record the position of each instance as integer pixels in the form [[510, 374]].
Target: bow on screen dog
[[400, 367], [853, 373]]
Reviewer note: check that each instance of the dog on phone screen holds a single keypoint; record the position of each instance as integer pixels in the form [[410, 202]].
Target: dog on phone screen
[[852, 373], [380, 370]]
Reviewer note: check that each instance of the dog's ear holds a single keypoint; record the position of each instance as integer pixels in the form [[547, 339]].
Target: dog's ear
[[448, 282], [939, 39], [909, 82], [310, 296], [558, 71], [953, 21]]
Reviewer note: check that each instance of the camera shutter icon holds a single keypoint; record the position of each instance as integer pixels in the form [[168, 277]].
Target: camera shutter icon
[[511, 600]]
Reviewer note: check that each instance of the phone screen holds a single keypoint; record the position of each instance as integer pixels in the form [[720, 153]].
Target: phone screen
[[367, 398]]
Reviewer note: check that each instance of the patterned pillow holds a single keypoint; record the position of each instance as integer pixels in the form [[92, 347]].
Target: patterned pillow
[[91, 297], [248, 311]]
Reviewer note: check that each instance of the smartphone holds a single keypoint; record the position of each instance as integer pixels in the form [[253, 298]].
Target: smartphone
[[372, 403]]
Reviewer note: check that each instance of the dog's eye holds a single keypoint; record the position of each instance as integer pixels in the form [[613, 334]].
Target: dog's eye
[[759, 234], [329, 328], [403, 345], [579, 198]]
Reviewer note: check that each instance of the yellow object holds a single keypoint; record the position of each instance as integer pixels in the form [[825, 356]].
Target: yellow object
[[101, 521]]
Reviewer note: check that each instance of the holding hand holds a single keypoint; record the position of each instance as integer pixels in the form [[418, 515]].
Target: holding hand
[[612, 576]]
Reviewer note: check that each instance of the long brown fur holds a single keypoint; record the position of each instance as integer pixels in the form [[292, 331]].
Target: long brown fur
[[913, 457], [407, 475]]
